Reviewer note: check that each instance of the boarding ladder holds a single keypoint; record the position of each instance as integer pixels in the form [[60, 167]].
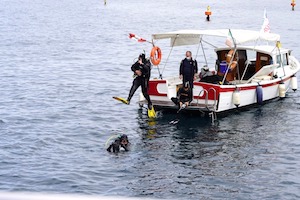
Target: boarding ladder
[[211, 108]]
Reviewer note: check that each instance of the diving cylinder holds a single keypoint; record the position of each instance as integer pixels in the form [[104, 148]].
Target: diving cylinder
[[259, 94], [294, 83], [236, 97], [281, 90], [141, 98]]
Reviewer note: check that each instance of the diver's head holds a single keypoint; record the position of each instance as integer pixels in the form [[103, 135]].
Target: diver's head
[[124, 139], [142, 56], [186, 85]]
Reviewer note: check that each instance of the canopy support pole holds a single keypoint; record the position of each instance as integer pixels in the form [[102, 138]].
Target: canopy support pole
[[203, 52], [160, 75], [246, 68], [231, 60]]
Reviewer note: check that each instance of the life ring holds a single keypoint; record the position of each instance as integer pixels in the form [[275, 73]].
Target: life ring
[[228, 59], [155, 55]]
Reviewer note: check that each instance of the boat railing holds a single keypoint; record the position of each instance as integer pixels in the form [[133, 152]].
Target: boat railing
[[206, 97]]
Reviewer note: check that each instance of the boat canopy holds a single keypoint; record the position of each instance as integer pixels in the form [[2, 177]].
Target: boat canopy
[[192, 37]]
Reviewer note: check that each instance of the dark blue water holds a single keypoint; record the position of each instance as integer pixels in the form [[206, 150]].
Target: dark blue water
[[61, 63]]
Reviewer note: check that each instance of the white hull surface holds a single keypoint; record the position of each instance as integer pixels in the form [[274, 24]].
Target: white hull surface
[[218, 98]]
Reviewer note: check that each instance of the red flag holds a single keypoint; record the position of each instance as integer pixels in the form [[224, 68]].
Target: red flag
[[131, 35], [142, 40], [137, 38]]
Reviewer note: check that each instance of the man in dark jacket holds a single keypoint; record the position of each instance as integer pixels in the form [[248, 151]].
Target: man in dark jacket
[[142, 71], [188, 69]]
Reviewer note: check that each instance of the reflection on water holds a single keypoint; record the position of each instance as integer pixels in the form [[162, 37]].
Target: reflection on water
[[195, 155]]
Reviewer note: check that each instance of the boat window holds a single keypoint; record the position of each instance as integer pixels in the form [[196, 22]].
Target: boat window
[[284, 59], [262, 60], [247, 65], [251, 55], [278, 60]]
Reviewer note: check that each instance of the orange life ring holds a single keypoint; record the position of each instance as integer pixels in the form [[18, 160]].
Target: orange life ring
[[228, 59], [155, 55]]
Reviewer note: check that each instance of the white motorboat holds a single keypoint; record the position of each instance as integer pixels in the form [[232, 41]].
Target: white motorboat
[[253, 70]]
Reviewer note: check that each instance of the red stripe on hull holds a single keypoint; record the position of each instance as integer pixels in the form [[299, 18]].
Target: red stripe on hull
[[153, 87], [207, 86]]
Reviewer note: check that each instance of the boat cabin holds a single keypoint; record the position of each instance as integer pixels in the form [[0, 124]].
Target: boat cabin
[[246, 62]]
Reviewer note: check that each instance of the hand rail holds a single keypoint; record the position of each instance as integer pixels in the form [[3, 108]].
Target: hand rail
[[206, 96]]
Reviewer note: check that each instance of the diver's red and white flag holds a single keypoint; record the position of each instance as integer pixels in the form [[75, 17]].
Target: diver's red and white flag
[[266, 25], [137, 38]]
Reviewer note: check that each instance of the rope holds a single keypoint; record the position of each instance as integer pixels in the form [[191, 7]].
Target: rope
[[204, 54], [209, 44], [160, 75], [168, 58], [198, 48], [229, 64]]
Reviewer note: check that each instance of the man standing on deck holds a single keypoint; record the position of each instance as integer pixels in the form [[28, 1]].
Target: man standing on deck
[[188, 69], [141, 69]]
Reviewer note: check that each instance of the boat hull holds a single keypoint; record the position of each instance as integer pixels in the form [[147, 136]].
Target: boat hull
[[216, 98]]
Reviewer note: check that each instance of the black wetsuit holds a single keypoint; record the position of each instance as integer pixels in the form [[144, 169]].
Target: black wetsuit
[[142, 80], [188, 68], [185, 95]]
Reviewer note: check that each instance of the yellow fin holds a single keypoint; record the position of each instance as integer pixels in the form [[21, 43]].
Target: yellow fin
[[151, 113], [121, 99]]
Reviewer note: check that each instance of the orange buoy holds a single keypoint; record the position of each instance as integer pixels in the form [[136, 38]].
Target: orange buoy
[[207, 13], [228, 59], [155, 55]]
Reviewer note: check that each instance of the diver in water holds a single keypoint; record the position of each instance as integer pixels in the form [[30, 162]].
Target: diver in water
[[120, 141], [141, 69]]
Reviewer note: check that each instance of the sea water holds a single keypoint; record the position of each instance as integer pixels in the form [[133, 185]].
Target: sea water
[[61, 63]]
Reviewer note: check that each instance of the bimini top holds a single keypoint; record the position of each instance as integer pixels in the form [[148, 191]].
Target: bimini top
[[190, 37]]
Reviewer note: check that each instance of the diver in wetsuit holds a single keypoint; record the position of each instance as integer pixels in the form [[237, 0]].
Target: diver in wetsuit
[[141, 69], [184, 96]]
